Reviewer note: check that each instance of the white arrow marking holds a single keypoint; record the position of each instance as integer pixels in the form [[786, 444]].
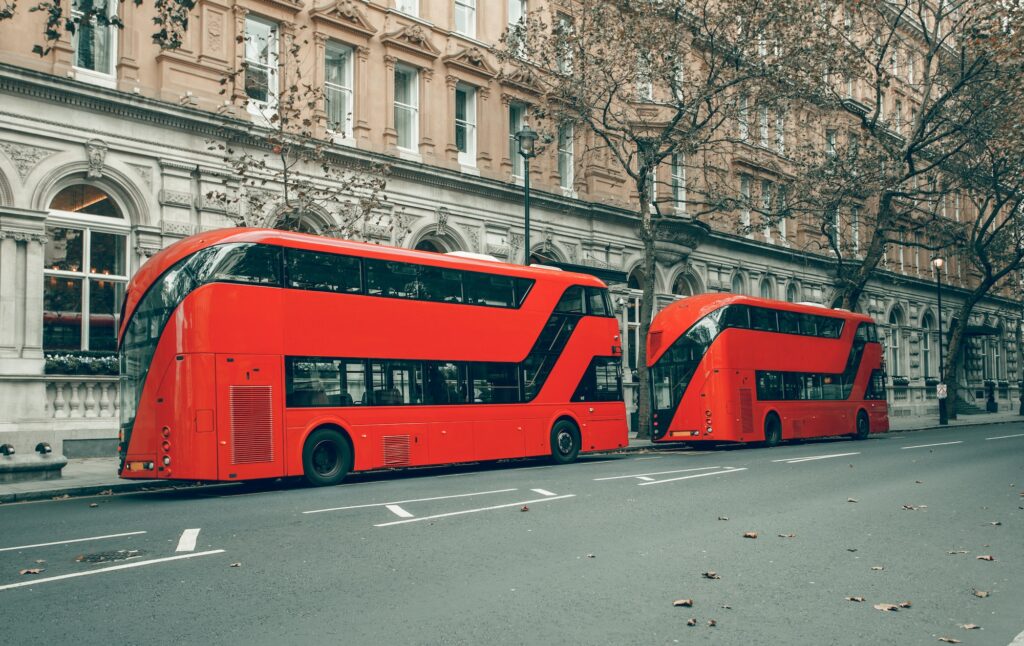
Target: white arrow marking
[[398, 511], [187, 542]]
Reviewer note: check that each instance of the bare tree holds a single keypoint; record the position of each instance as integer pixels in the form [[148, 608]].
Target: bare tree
[[656, 83]]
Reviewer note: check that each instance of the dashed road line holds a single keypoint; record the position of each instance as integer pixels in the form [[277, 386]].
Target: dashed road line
[[73, 540], [543, 492], [187, 542], [1005, 437], [398, 511], [815, 457], [696, 475], [925, 446], [473, 511], [123, 566], [656, 473], [402, 502]]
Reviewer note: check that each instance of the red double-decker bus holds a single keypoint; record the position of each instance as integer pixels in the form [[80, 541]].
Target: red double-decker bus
[[249, 353], [728, 368]]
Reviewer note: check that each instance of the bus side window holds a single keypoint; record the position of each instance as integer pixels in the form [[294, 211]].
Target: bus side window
[[445, 383], [488, 289], [769, 385], [572, 301], [736, 316], [439, 284], [495, 383], [862, 332], [602, 382], [793, 386], [808, 324], [597, 302], [872, 332], [762, 318], [318, 271], [385, 278], [258, 264], [829, 327], [789, 322], [522, 288]]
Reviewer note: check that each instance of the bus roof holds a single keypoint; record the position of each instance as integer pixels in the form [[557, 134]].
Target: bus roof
[[167, 257]]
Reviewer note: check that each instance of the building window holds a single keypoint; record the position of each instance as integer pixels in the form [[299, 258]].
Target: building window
[[338, 88], [766, 288], [679, 181], [738, 286], [897, 117], [411, 7], [565, 52], [85, 270], [407, 107], [743, 117], [261, 65], [926, 346], [644, 82], [516, 116], [780, 132], [855, 229], [516, 12], [745, 200], [830, 143], [781, 202], [895, 364], [566, 156], [763, 125], [465, 123], [792, 295], [766, 206], [465, 17], [95, 43]]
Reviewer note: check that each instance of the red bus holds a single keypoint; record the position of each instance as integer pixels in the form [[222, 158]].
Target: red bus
[[728, 368], [250, 353]]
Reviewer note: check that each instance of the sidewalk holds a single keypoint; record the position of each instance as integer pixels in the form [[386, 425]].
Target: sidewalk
[[91, 476]]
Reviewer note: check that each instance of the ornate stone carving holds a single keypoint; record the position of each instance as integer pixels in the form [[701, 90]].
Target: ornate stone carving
[[401, 221], [145, 173], [96, 154], [176, 228], [214, 30], [175, 198], [413, 38], [146, 250], [473, 60], [25, 157], [474, 239], [441, 224]]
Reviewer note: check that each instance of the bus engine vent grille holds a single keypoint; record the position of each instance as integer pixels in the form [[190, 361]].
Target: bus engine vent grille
[[746, 412], [396, 450], [252, 423]]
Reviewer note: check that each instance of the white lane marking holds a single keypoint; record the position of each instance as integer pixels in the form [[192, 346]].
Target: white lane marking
[[402, 502], [187, 542], [543, 492], [658, 473], [645, 478], [653, 457], [1018, 640], [398, 511], [1005, 437], [925, 446], [123, 566], [815, 457], [74, 540], [699, 475], [595, 461], [473, 511]]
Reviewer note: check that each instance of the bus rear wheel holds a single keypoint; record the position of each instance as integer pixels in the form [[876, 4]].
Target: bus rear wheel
[[565, 442], [772, 430], [863, 426], [326, 458]]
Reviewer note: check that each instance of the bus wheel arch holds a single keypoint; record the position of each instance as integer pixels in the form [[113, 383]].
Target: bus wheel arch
[[772, 429], [862, 426], [327, 455], [566, 440]]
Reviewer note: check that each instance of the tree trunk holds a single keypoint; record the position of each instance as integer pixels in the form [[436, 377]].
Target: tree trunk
[[849, 288], [643, 430], [951, 362]]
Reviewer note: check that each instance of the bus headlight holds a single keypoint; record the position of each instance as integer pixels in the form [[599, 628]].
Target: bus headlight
[[167, 460]]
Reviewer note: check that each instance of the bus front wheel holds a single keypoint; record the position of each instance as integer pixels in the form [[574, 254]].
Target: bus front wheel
[[863, 426], [772, 430], [565, 442], [326, 457]]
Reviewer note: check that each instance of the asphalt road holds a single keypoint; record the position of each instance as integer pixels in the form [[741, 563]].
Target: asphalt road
[[447, 556]]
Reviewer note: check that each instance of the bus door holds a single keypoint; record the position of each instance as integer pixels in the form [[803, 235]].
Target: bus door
[[249, 416]]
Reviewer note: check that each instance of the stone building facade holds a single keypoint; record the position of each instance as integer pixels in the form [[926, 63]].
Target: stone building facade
[[105, 159]]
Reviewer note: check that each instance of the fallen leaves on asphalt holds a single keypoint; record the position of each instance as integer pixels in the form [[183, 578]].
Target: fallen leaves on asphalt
[[711, 574], [995, 523], [692, 621], [887, 607], [981, 594], [685, 603], [106, 492], [94, 504], [591, 556], [851, 500], [949, 640], [904, 604], [877, 568], [32, 570], [851, 549], [61, 497], [525, 508], [723, 518], [235, 565], [957, 552], [712, 623], [857, 599], [986, 557], [749, 534], [970, 626], [787, 535]]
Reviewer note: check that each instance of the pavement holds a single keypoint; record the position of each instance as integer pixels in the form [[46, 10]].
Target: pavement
[[92, 476]]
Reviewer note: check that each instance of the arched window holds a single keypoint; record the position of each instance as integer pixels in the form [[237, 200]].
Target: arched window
[[635, 279], [631, 350], [682, 286], [738, 284], [895, 365], [926, 345], [792, 293], [429, 245], [299, 222], [85, 270], [766, 288]]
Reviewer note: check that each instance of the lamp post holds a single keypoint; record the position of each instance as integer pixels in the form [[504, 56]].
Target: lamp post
[[940, 390], [526, 138]]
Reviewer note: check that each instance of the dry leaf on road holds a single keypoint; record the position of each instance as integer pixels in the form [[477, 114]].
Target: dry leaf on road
[[957, 552], [904, 604], [685, 603], [787, 535], [970, 626], [32, 570], [723, 518], [887, 607], [877, 568], [981, 594], [851, 549], [712, 623], [711, 574], [94, 504], [986, 557], [851, 500], [591, 556], [525, 508], [949, 640], [692, 621], [235, 565], [857, 599], [995, 523], [749, 534]]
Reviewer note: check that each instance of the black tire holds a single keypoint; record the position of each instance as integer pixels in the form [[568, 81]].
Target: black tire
[[772, 430], [863, 427], [326, 458], [565, 442]]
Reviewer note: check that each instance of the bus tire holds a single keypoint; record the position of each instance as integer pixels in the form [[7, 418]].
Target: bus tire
[[772, 430], [565, 442], [326, 457], [863, 427]]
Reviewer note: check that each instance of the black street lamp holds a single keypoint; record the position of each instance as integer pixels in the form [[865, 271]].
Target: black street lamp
[[526, 138], [937, 263]]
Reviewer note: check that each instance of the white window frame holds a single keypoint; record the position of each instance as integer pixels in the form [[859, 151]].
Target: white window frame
[[679, 182], [855, 229], [743, 118], [566, 156], [89, 224], [412, 108], [745, 201], [516, 7], [466, 9], [467, 157], [345, 92], [926, 347], [565, 53], [267, 108], [408, 7], [767, 190], [781, 198], [830, 144], [644, 83], [780, 132], [516, 119], [106, 78]]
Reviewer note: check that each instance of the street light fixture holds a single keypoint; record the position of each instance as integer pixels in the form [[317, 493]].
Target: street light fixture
[[940, 389], [526, 138]]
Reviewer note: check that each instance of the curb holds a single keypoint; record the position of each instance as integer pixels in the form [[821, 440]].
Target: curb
[[159, 485]]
